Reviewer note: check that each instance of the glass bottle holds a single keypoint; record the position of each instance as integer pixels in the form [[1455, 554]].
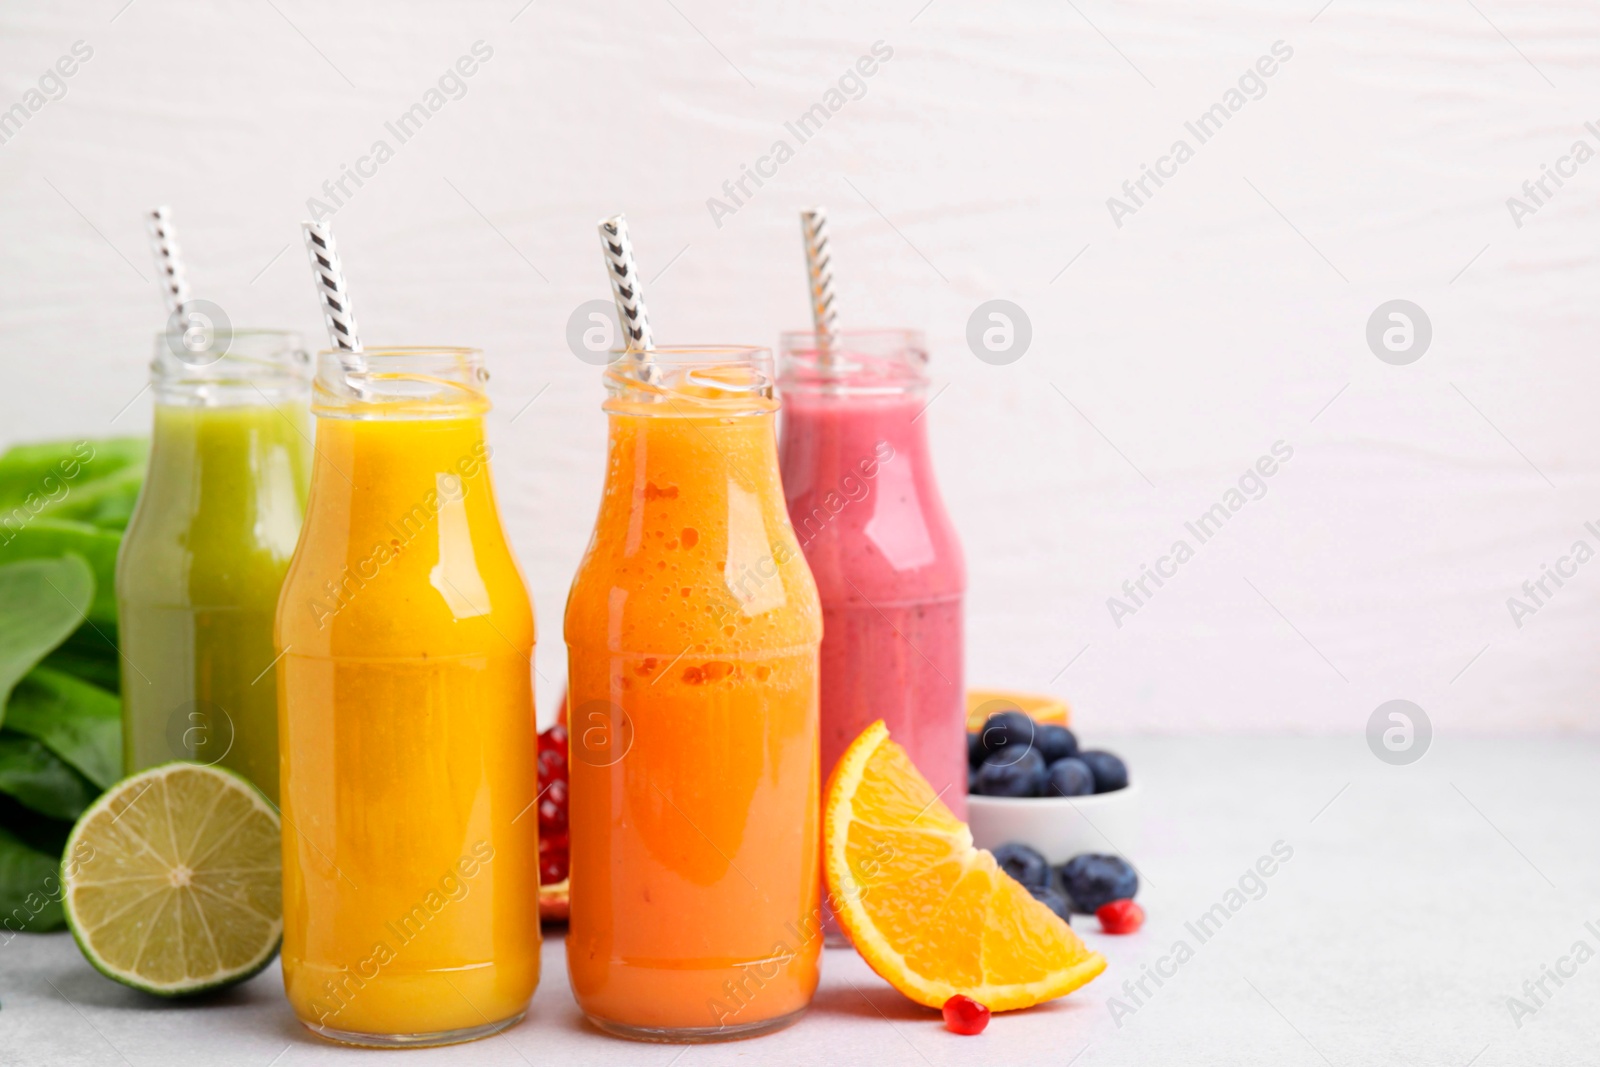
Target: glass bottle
[[200, 567], [887, 561], [410, 847], [692, 633]]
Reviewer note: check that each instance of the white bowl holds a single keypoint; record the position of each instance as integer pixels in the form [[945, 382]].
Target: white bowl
[[1059, 827]]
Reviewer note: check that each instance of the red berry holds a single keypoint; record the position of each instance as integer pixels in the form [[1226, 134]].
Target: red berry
[[1120, 917], [553, 808], [552, 858], [963, 1015], [552, 766], [553, 868], [555, 737]]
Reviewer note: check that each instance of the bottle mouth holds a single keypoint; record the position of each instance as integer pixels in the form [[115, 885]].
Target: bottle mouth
[[857, 363], [693, 380], [229, 366], [401, 382]]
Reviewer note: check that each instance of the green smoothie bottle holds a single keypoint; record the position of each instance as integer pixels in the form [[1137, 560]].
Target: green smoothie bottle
[[205, 553]]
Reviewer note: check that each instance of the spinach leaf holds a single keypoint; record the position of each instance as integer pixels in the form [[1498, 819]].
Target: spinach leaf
[[43, 538], [30, 889], [39, 469], [29, 772], [106, 503], [39, 832], [95, 482], [89, 653], [79, 722], [41, 602]]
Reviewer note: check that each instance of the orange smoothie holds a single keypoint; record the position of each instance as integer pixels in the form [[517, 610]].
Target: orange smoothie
[[406, 720], [693, 630]]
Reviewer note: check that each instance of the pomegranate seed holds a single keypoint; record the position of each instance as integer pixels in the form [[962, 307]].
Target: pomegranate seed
[[552, 868], [553, 808], [553, 858], [963, 1015], [1120, 917], [552, 761], [552, 765], [555, 737]]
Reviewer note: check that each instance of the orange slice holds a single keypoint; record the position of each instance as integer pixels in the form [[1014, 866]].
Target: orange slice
[[982, 703], [930, 913]]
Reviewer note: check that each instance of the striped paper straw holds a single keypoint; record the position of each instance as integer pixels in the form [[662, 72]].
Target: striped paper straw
[[169, 259], [625, 290], [332, 290], [819, 279]]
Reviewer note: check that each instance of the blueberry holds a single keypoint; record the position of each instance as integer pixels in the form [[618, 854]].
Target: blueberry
[[975, 749], [1068, 778], [1005, 774], [1007, 729], [1056, 742], [1023, 863], [1054, 899], [1093, 879], [1110, 773]]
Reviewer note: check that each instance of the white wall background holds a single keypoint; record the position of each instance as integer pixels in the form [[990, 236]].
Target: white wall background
[[1227, 314]]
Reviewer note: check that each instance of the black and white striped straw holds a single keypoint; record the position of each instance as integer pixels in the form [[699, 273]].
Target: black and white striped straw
[[626, 291], [819, 280], [332, 291], [169, 259]]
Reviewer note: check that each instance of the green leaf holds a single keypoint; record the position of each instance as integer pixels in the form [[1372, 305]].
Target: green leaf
[[30, 888], [90, 653], [40, 470], [44, 538], [29, 772], [106, 503], [95, 482], [79, 722], [41, 602], [39, 832]]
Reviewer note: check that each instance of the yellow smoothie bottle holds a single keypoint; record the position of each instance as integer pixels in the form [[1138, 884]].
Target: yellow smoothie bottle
[[406, 722], [692, 631]]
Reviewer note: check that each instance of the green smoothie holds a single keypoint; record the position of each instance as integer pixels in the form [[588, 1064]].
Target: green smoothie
[[200, 569]]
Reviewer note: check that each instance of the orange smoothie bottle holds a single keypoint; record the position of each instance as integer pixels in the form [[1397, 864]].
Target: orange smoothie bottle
[[693, 630], [405, 718]]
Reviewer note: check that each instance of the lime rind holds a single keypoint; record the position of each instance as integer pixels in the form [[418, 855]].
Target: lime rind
[[204, 841]]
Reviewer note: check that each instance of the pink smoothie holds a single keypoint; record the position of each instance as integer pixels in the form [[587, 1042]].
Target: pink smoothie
[[888, 565]]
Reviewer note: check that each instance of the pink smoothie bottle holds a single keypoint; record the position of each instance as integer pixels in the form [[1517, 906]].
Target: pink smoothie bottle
[[866, 508]]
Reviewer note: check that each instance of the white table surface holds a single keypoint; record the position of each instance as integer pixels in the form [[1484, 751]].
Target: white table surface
[[1418, 900]]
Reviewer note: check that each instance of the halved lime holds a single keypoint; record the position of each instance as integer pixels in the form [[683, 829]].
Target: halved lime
[[173, 880]]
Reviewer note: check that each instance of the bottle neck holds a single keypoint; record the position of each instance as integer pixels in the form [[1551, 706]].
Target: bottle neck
[[360, 455], [696, 503], [669, 451], [256, 393], [858, 364], [401, 385], [842, 432], [247, 368]]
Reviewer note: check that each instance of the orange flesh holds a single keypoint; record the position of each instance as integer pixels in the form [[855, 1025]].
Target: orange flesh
[[929, 912]]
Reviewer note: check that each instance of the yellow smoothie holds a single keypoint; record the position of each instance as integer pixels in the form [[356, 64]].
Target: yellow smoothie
[[406, 720]]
